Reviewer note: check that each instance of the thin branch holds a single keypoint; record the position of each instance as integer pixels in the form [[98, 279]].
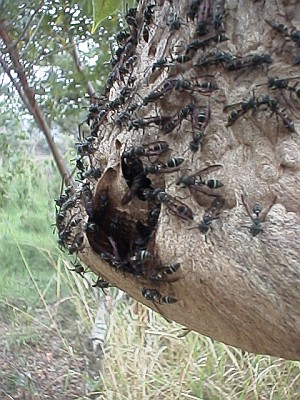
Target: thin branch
[[16, 85], [33, 35], [28, 23], [27, 95], [80, 69], [16, 63]]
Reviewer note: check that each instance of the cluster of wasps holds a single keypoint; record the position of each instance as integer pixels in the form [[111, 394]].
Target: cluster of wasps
[[126, 244]]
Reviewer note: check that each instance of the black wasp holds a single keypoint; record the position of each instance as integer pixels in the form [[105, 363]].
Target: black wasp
[[251, 60], [170, 166], [274, 106], [78, 268], [141, 256], [283, 84], [196, 182], [211, 213], [174, 22], [136, 179], [102, 284], [251, 103], [146, 150], [156, 297], [214, 58], [205, 41], [164, 271], [133, 169], [176, 206], [257, 215], [203, 119]]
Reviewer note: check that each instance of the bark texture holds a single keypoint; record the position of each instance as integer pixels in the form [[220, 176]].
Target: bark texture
[[234, 287]]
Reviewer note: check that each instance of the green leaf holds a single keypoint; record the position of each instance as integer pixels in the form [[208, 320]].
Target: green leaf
[[103, 9]]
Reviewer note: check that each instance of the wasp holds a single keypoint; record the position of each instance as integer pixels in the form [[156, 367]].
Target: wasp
[[153, 96], [136, 188], [102, 284], [146, 150], [204, 41], [156, 297], [92, 173], [196, 143], [245, 105], [164, 122], [77, 244], [132, 153], [148, 14], [279, 27], [280, 83], [214, 58], [203, 120], [196, 182], [133, 172], [218, 14], [170, 166], [286, 119], [176, 207], [80, 164], [274, 106], [62, 199], [260, 215], [296, 59], [161, 63], [202, 28], [185, 111], [206, 87], [211, 213], [163, 272], [78, 268], [153, 216], [204, 18], [130, 16], [174, 22], [295, 36], [121, 36], [155, 148], [292, 34], [251, 60], [141, 256], [283, 83], [85, 147]]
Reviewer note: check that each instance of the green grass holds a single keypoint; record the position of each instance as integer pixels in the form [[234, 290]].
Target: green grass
[[147, 360], [26, 238]]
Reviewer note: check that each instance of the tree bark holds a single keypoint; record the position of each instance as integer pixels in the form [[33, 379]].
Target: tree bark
[[237, 288]]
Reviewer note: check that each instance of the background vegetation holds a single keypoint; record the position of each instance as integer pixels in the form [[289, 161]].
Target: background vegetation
[[46, 312]]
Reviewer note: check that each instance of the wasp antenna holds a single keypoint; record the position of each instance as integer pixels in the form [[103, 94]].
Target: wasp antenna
[[194, 227], [185, 151], [139, 96], [261, 84], [170, 184], [246, 80]]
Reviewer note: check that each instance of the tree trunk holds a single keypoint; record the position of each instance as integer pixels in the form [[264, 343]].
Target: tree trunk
[[239, 282]]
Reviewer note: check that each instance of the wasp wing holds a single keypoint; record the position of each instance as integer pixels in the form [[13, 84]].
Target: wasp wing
[[265, 211]]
